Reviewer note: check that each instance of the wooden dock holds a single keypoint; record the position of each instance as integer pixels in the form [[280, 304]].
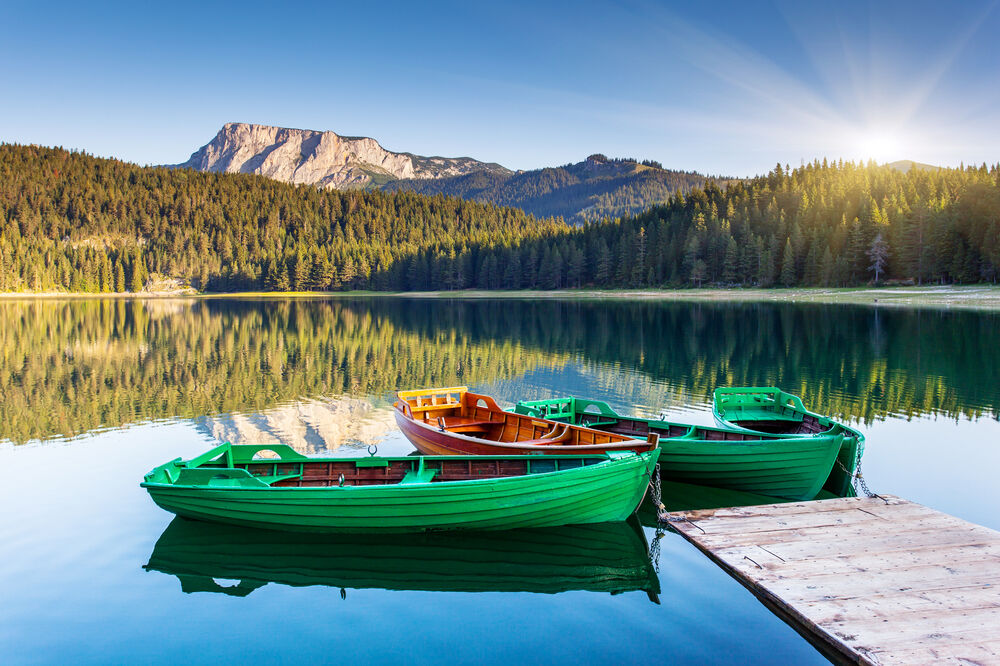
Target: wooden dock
[[868, 581]]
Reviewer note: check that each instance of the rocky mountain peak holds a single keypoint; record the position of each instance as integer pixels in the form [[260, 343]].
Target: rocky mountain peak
[[325, 159]]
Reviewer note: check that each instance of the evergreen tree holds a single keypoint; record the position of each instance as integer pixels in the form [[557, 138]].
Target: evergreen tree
[[729, 270], [694, 266], [878, 253], [788, 265], [139, 274], [826, 271], [638, 258], [602, 271], [119, 282]]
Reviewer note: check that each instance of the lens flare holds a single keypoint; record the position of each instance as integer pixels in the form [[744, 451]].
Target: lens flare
[[877, 143]]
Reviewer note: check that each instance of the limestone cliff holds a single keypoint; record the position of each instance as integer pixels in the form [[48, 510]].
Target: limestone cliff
[[325, 159]]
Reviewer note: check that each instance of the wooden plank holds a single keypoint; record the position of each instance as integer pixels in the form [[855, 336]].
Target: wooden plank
[[804, 559], [876, 582], [894, 604], [987, 652], [799, 546], [790, 508], [856, 520], [910, 629], [856, 516], [912, 581]]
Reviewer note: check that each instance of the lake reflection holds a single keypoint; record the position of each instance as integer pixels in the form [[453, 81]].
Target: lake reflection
[[97, 392], [314, 372], [607, 557]]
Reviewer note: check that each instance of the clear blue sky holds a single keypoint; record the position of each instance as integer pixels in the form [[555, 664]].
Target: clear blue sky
[[720, 87]]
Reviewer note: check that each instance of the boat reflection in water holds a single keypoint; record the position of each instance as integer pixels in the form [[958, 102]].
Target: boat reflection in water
[[602, 557]]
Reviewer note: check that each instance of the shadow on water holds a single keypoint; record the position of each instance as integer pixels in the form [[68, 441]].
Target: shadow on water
[[606, 557], [71, 367]]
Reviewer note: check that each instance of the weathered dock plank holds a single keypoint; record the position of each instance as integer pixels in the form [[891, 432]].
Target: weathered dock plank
[[871, 581]]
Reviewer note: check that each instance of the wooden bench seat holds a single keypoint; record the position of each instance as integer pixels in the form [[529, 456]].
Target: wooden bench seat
[[428, 408], [464, 424]]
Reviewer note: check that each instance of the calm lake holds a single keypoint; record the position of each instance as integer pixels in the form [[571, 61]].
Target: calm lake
[[94, 393]]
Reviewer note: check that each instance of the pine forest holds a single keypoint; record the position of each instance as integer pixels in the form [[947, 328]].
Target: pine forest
[[76, 223]]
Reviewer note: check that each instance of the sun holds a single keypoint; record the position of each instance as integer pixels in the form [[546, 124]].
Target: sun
[[877, 143]]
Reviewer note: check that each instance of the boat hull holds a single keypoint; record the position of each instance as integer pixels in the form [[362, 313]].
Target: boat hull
[[769, 411], [779, 466], [608, 490], [790, 469]]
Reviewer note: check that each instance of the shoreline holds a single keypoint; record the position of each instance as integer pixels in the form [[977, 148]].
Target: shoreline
[[982, 297]]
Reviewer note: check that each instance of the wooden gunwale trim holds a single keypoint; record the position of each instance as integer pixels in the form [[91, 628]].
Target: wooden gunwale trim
[[517, 421]]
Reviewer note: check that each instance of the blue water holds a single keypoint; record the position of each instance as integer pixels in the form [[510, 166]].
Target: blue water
[[76, 529]]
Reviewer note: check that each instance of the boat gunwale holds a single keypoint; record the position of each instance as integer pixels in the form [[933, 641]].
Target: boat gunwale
[[628, 443], [604, 460], [692, 435], [796, 405]]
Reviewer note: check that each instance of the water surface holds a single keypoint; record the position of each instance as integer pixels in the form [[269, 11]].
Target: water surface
[[97, 392]]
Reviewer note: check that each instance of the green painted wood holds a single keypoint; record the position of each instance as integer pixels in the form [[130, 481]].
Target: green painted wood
[[788, 467], [558, 490], [769, 410]]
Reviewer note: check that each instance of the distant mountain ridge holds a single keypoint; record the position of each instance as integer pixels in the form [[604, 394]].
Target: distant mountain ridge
[[904, 166], [595, 188], [324, 159]]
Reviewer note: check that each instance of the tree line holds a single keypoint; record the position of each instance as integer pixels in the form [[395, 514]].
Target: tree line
[[73, 222]]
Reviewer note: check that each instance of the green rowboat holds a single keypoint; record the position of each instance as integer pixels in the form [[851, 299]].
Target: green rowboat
[[602, 557], [233, 484], [770, 410], [789, 467]]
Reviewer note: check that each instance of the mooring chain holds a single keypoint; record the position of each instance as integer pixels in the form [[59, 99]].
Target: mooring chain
[[656, 494], [654, 549], [656, 488], [858, 479]]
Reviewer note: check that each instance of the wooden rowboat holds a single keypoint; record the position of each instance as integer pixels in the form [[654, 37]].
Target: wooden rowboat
[[454, 421], [602, 557], [780, 466], [232, 484], [772, 411]]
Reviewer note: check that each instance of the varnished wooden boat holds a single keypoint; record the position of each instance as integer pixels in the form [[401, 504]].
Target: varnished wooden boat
[[454, 421], [231, 484], [603, 557], [770, 410], [780, 466]]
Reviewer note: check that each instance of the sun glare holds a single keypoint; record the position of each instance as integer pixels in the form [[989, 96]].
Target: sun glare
[[879, 144]]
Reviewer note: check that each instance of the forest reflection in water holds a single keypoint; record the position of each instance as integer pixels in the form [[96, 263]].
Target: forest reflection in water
[[70, 367]]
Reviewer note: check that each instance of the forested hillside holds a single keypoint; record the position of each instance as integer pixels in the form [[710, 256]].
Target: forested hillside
[[823, 224], [594, 189], [73, 222], [69, 221]]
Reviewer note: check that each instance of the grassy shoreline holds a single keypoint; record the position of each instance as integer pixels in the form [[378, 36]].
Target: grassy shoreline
[[966, 297], [974, 296]]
